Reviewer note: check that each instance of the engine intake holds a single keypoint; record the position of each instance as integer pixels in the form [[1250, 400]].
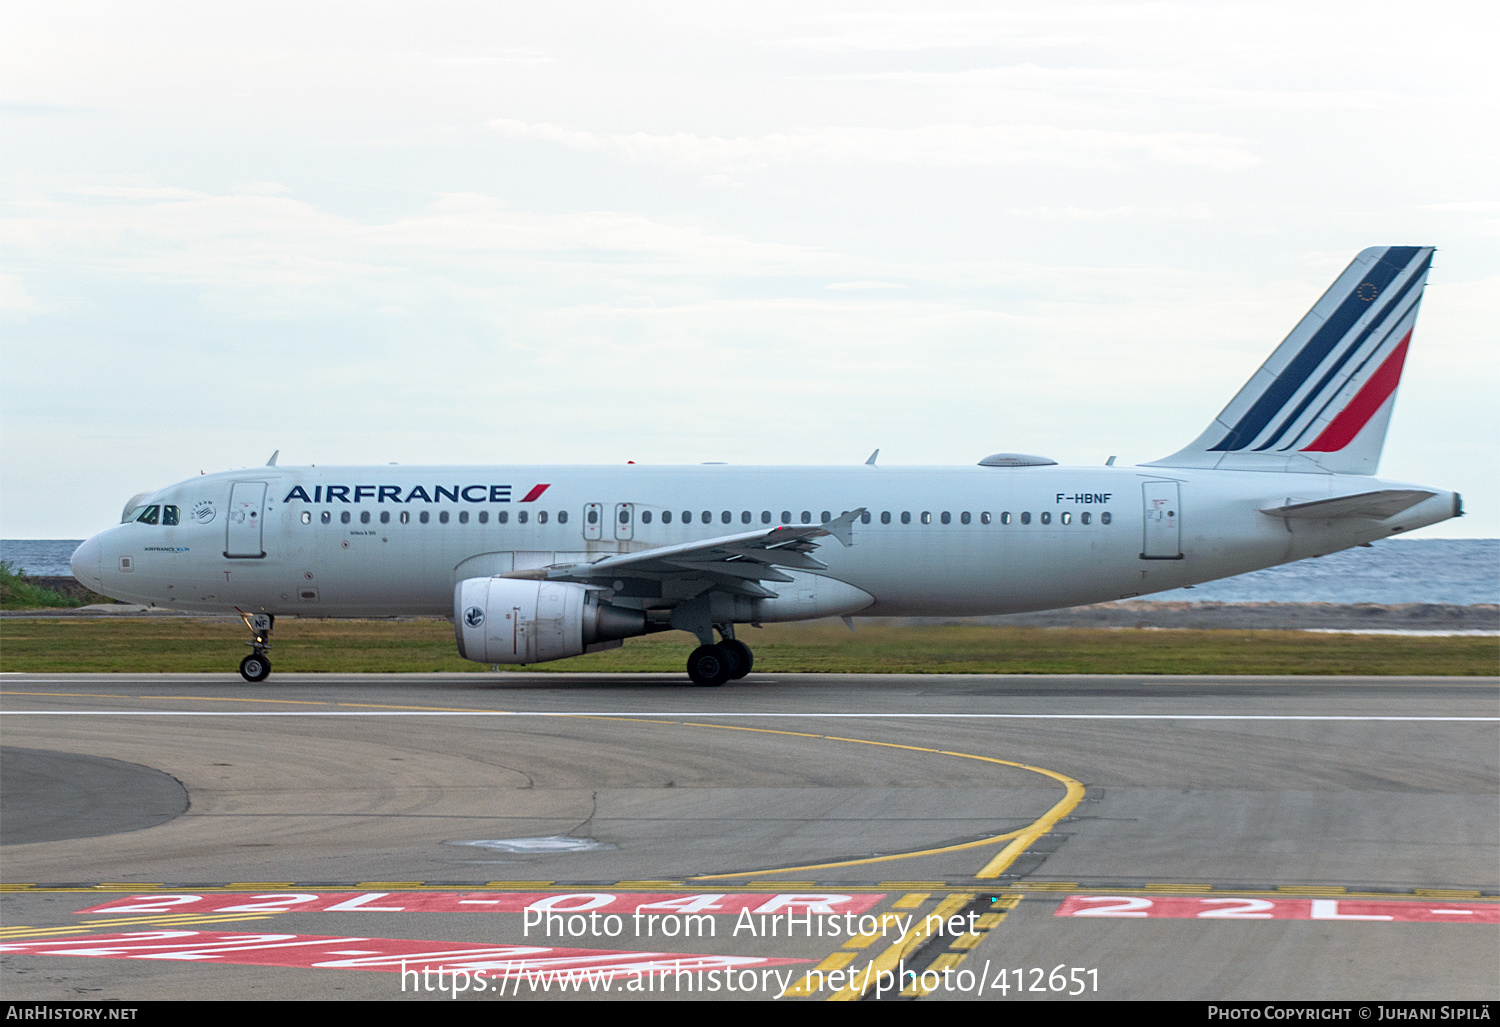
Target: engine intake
[[509, 620]]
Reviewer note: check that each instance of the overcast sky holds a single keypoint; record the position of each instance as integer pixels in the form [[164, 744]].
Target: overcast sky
[[764, 233]]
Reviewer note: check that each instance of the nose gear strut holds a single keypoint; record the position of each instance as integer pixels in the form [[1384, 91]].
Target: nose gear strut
[[257, 666]]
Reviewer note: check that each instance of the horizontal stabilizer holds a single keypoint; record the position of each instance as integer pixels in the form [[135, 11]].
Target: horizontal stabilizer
[[1373, 505]]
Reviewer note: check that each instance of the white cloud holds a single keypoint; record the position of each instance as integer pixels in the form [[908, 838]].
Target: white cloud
[[1195, 211], [944, 146]]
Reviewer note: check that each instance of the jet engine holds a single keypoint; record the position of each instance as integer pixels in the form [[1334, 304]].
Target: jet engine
[[510, 620]]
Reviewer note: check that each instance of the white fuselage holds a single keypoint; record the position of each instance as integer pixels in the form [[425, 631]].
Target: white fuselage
[[958, 540]]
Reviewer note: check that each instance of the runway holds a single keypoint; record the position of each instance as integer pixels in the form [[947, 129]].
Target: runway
[[1098, 824]]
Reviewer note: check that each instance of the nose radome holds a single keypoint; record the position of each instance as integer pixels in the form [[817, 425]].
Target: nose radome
[[85, 561]]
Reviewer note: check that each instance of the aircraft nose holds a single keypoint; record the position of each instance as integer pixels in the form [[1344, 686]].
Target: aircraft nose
[[85, 563]]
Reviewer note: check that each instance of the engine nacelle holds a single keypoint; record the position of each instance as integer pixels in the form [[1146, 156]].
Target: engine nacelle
[[510, 620]]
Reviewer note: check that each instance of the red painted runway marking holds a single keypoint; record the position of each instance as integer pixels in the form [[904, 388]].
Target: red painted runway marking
[[390, 955], [1216, 908], [828, 903]]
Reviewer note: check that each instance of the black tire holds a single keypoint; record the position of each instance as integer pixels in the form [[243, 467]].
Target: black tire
[[255, 667], [709, 666], [741, 655]]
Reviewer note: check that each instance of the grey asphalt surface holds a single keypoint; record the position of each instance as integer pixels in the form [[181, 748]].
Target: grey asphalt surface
[[325, 783]]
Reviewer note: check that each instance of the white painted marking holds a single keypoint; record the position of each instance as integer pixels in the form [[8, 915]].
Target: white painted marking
[[700, 715], [1328, 909], [363, 902], [552, 843]]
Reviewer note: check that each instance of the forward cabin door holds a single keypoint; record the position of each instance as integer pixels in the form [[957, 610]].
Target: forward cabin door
[[1163, 513], [246, 521]]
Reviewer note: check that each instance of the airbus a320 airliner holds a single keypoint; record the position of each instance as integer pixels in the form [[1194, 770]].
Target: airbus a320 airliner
[[542, 563]]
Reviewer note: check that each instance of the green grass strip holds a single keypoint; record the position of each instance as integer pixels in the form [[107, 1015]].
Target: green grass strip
[[141, 645]]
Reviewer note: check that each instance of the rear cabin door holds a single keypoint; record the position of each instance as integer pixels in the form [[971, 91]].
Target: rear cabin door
[[246, 521], [1163, 513]]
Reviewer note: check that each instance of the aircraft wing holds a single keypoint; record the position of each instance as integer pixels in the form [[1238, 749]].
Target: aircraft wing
[[735, 563], [1376, 506]]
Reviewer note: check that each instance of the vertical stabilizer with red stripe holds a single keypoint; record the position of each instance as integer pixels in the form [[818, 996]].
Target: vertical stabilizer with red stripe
[[1322, 402]]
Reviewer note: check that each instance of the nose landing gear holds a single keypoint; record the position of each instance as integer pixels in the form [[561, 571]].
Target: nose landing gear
[[257, 666]]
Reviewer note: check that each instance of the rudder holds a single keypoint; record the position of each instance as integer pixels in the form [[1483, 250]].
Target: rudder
[[1322, 401]]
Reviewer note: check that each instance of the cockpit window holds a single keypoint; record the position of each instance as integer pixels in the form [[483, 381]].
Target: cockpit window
[[149, 515], [169, 515]]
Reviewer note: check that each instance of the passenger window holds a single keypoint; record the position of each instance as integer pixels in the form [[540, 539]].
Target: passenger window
[[963, 518], [666, 516], [946, 518], [1026, 517], [645, 517], [364, 517], [306, 516], [765, 517], [541, 516], [169, 516], [885, 517], [1104, 518], [708, 517], [1085, 517], [745, 517], [502, 516], [786, 517], [424, 516], [405, 516], [326, 516], [443, 517], [905, 517], [926, 517], [385, 517], [1005, 517], [593, 516], [149, 515], [344, 517], [984, 518], [726, 516], [1046, 517], [806, 517], [562, 517], [864, 518], [463, 517], [824, 518], [484, 517], [1065, 517], [521, 516]]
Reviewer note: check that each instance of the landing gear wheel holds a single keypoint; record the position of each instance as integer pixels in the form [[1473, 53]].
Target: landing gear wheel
[[740, 655], [709, 665], [255, 667]]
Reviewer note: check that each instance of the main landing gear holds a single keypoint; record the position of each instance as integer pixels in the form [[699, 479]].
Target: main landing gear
[[257, 666], [715, 664]]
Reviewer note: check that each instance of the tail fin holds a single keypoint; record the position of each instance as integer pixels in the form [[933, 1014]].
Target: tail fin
[[1322, 401]]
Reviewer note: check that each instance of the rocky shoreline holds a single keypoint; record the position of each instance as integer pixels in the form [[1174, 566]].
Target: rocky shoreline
[[1144, 613]]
